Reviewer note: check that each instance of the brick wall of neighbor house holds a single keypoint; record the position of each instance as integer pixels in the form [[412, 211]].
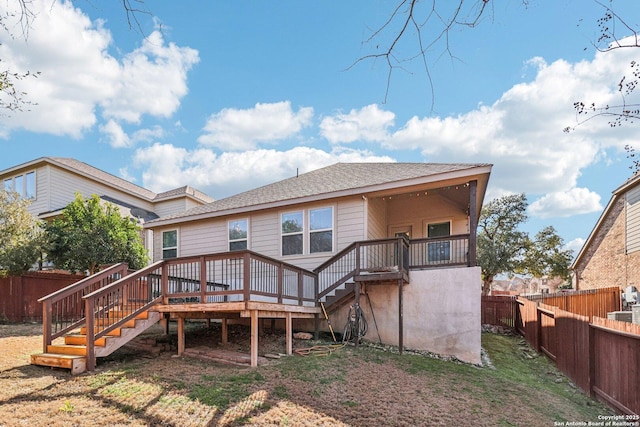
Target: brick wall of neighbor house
[[605, 263]]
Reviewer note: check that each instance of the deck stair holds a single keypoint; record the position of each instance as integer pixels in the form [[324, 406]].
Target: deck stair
[[71, 353], [340, 296]]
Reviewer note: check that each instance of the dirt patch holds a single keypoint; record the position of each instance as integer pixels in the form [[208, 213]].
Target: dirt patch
[[350, 387]]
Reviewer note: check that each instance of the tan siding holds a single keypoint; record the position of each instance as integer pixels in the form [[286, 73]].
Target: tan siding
[[64, 185], [349, 222], [169, 207], [377, 219], [264, 234], [633, 220], [203, 238]]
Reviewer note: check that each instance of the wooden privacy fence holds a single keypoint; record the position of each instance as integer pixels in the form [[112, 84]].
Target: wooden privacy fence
[[19, 295], [599, 355]]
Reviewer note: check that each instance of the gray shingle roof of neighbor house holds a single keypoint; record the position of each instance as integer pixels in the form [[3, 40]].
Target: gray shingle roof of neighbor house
[[330, 181]]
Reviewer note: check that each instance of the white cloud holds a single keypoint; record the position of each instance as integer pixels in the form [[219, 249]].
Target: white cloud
[[116, 137], [575, 245], [152, 80], [79, 75], [563, 204], [370, 123], [235, 129], [166, 166]]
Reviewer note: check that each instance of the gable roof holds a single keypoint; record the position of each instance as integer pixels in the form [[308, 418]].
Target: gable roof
[[340, 179], [616, 194], [93, 173]]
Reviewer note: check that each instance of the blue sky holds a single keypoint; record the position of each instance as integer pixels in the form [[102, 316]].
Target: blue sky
[[227, 96]]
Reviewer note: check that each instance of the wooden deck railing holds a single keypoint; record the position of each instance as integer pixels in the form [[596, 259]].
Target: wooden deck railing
[[64, 310], [432, 252]]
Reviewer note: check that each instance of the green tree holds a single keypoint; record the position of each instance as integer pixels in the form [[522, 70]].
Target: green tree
[[90, 233], [545, 256], [19, 235], [501, 245]]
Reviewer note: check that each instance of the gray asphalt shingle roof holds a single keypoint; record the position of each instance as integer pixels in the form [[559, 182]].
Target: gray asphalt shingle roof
[[326, 181]]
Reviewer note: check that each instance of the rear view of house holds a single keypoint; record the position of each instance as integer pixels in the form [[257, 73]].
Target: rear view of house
[[324, 220]]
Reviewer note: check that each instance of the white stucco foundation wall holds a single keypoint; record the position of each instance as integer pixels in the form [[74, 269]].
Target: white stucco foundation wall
[[441, 313]]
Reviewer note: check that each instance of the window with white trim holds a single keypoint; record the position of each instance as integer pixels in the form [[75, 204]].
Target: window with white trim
[[307, 232], [292, 233], [170, 244], [24, 185], [321, 230], [238, 235]]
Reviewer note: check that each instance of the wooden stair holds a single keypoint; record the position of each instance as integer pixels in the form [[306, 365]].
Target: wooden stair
[[340, 296], [72, 354]]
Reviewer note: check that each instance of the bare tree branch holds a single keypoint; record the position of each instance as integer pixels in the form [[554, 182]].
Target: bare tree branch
[[423, 18]]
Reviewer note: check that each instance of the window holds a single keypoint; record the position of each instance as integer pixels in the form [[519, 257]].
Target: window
[[310, 233], [169, 244], [24, 185], [321, 230], [238, 235], [30, 186], [292, 233], [439, 251]]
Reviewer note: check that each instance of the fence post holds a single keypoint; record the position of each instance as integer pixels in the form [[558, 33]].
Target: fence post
[[592, 361]]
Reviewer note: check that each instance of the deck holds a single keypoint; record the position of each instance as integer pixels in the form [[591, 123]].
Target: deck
[[241, 284]]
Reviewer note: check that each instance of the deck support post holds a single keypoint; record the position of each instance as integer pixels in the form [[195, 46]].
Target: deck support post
[[224, 330], [289, 333], [400, 318], [180, 335], [254, 338], [357, 303]]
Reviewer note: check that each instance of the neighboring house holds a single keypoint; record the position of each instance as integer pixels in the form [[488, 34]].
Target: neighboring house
[[338, 215], [611, 254], [50, 183], [526, 286]]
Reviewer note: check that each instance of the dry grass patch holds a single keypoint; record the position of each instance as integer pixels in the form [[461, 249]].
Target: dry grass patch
[[354, 387]]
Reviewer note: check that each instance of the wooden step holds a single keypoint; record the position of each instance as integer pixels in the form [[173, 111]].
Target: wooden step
[[115, 333], [120, 313], [81, 339], [77, 364], [68, 349]]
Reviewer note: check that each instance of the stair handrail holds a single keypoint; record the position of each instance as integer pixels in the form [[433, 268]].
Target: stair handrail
[[119, 287], [78, 288], [354, 267]]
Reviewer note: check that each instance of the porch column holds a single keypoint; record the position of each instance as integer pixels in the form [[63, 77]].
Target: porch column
[[400, 318], [473, 222]]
